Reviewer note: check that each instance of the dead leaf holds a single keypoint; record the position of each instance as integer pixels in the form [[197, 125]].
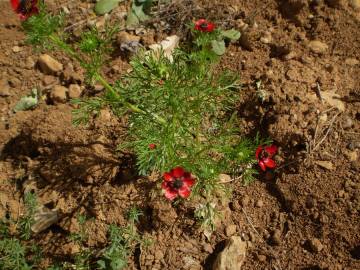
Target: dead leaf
[[168, 46]]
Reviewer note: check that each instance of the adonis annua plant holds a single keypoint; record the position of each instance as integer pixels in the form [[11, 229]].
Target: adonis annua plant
[[181, 109]]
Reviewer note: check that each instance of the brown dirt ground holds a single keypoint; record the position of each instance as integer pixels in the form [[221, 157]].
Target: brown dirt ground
[[76, 170]]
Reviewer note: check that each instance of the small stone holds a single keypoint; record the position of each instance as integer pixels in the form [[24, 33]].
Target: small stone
[[49, 65], [316, 245], [353, 145], [30, 63], [125, 37], [317, 46], [261, 258], [351, 155], [58, 94], [245, 200], [266, 38], [276, 237], [98, 87], [259, 203], [158, 255], [347, 123], [233, 255], [224, 178], [341, 193], [48, 80], [74, 91], [290, 55], [16, 49], [4, 88], [355, 4], [325, 164], [352, 61], [230, 230], [65, 10], [207, 248]]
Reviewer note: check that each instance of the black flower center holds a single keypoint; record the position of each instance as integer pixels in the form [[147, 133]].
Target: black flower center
[[204, 25], [178, 183]]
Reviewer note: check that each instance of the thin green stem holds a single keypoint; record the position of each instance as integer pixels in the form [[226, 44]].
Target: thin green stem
[[64, 46]]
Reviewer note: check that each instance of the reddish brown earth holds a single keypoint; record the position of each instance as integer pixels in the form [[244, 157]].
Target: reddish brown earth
[[305, 216]]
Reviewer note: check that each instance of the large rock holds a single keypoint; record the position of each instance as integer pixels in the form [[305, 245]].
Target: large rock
[[233, 255], [49, 65]]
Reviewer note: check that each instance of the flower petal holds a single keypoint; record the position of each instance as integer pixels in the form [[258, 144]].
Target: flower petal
[[268, 162], [258, 151], [168, 177], [184, 192], [271, 150], [188, 182], [210, 27], [170, 194], [177, 172], [15, 4], [262, 165]]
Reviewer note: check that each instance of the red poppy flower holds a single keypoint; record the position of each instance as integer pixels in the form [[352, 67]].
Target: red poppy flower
[[264, 156], [176, 183], [204, 26], [25, 8], [152, 146]]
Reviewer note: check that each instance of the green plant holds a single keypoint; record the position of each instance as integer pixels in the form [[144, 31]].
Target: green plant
[[122, 242], [30, 202], [12, 254], [181, 109], [82, 258]]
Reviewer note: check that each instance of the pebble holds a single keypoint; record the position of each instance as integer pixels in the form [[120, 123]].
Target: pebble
[[49, 65], [207, 248], [276, 237], [317, 46], [74, 91], [290, 55], [48, 80], [30, 63], [353, 145], [266, 38], [316, 245], [58, 94], [230, 230], [4, 88], [261, 258], [233, 255], [158, 255], [325, 164], [355, 4], [351, 155], [16, 49], [259, 203], [224, 178], [352, 61], [245, 200], [347, 123]]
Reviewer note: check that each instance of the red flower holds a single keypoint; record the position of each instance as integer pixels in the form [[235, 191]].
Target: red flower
[[177, 182], [264, 156], [152, 146], [25, 8], [204, 26]]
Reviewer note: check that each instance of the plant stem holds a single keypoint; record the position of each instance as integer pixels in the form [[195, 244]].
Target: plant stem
[[61, 44]]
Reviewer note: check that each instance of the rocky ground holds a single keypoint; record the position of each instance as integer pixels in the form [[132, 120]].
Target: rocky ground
[[306, 54]]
